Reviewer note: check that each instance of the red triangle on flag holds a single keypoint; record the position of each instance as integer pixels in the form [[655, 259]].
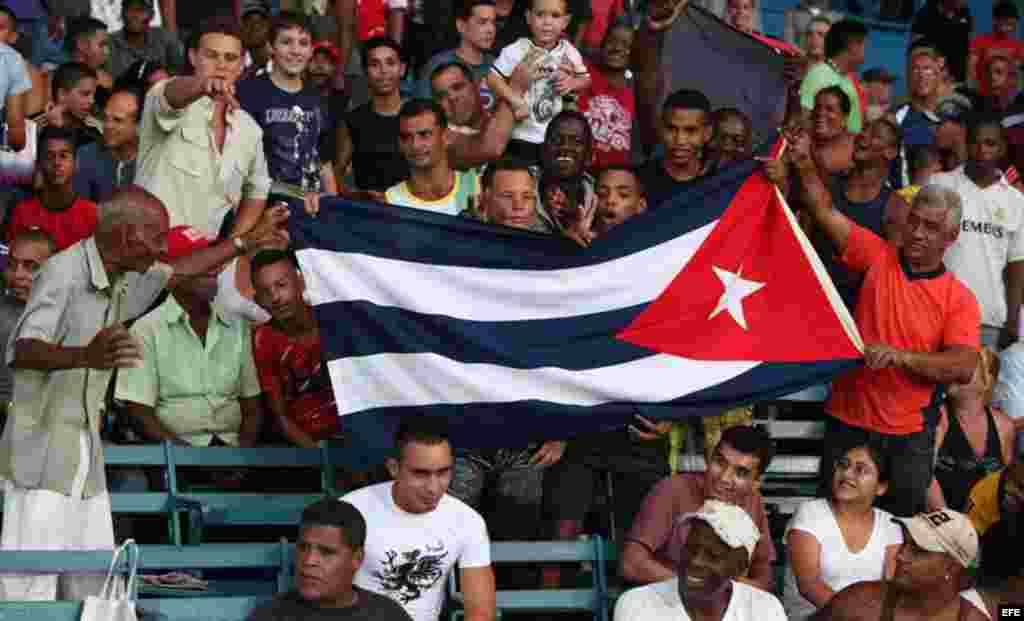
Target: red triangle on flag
[[774, 288]]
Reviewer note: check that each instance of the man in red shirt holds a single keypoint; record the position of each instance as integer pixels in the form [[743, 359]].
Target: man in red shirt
[[610, 104], [1002, 41], [55, 208], [919, 322], [286, 350]]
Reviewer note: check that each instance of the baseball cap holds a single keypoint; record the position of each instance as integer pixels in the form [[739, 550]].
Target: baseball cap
[[254, 6], [183, 241], [945, 531], [877, 74], [731, 523], [327, 48]]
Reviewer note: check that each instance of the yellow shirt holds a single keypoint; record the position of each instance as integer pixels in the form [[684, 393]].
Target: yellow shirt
[[461, 197], [983, 504]]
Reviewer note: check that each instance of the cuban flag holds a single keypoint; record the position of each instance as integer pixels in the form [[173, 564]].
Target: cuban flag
[[712, 300]]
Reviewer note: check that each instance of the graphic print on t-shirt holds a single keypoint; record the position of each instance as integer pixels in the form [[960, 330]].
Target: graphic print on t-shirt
[[296, 144], [544, 100], [406, 576], [293, 125], [610, 122]]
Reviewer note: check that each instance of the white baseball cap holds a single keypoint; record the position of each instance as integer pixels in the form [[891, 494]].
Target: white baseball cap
[[945, 531], [731, 523]]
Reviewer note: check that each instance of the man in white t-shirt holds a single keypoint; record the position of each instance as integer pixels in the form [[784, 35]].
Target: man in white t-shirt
[[718, 548], [418, 533], [991, 239]]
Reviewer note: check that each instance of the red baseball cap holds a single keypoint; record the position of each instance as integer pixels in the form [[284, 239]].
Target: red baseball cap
[[328, 48], [183, 241]]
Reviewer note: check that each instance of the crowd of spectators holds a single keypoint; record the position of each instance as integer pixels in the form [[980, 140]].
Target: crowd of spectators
[[154, 152]]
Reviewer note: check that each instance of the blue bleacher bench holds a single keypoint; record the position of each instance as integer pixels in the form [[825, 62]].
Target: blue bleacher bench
[[198, 609], [216, 607], [220, 508], [593, 599]]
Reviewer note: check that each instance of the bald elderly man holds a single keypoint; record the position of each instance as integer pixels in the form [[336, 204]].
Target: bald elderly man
[[64, 349]]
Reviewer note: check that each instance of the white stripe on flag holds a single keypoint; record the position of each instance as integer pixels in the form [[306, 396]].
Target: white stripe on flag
[[484, 294], [390, 380]]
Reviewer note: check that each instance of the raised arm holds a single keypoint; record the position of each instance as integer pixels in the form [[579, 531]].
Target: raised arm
[[345, 12], [816, 197], [169, 15], [473, 151], [181, 91], [503, 89], [267, 232]]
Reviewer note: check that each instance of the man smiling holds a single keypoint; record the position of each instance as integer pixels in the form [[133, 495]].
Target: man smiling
[[717, 550], [654, 548]]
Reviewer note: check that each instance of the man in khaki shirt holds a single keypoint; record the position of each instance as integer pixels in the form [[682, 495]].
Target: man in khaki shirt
[[198, 151], [64, 349]]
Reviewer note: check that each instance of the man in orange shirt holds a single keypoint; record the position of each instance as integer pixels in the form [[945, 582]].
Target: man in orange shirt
[[919, 322]]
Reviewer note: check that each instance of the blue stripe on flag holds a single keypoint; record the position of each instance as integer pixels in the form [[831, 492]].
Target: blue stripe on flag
[[426, 237], [489, 426], [363, 329]]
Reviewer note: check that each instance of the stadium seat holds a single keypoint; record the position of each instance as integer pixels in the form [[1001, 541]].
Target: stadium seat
[[593, 600]]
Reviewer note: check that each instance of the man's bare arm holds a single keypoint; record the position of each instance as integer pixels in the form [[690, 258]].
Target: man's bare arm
[[489, 145], [252, 421], [818, 201], [15, 105], [858, 602], [149, 424], [169, 15], [345, 17], [342, 153], [639, 565], [396, 24]]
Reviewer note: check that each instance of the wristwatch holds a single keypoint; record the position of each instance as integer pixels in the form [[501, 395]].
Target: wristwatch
[[239, 244]]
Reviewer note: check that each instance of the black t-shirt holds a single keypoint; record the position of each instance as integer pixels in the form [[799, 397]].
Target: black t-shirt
[[337, 107], [376, 162], [293, 125], [951, 35], [370, 607], [661, 187]]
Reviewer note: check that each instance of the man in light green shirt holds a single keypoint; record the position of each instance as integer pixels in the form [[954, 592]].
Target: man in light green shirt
[[197, 381], [844, 50]]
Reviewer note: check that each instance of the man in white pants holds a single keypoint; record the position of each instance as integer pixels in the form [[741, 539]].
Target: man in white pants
[[64, 349]]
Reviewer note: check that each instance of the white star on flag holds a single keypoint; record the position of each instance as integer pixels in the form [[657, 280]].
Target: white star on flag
[[736, 289]]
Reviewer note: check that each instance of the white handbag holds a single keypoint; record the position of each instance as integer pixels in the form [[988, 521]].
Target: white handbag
[[115, 601]]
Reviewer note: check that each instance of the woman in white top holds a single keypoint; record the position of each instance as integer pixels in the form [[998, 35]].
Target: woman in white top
[[832, 543]]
